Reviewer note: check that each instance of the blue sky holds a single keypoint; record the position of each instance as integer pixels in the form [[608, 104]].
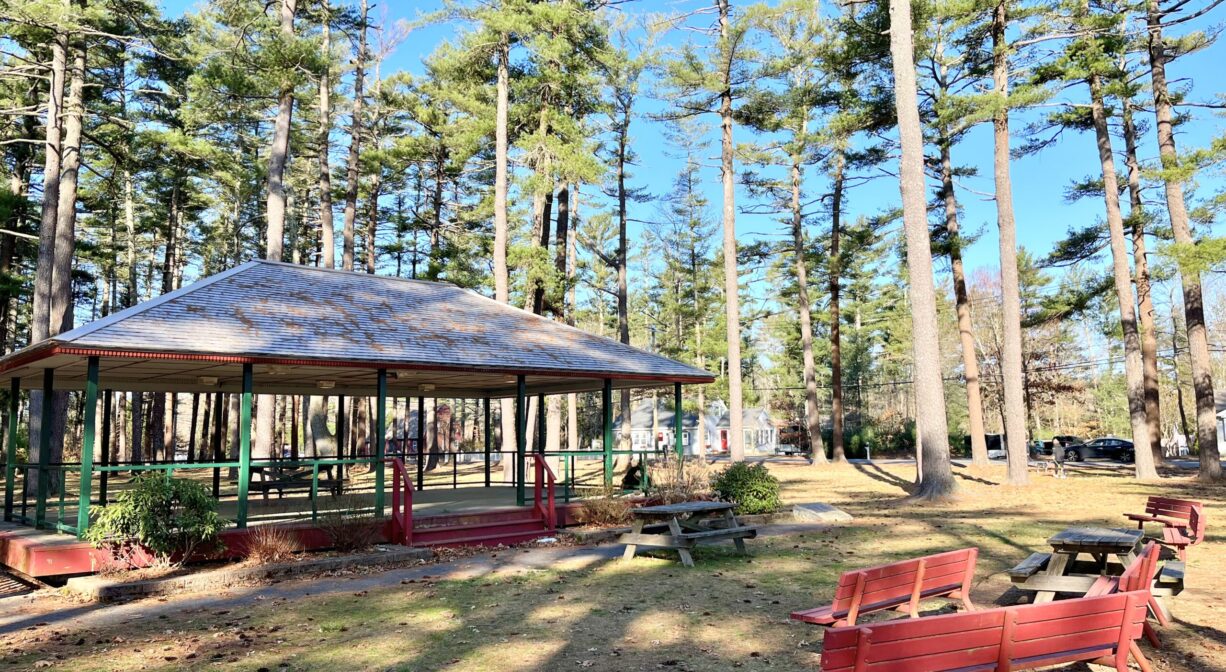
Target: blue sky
[[1039, 182]]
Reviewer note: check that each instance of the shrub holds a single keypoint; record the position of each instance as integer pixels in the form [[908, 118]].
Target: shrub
[[751, 487], [349, 528], [607, 507], [170, 517], [680, 481], [269, 544]]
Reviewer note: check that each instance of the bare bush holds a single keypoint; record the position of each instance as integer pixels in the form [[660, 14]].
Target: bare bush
[[268, 544], [605, 508], [676, 481], [349, 528]]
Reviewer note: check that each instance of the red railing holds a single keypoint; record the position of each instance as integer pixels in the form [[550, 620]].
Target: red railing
[[402, 502], [545, 479]]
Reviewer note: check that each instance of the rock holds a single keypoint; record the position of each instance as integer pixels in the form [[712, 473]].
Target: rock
[[818, 512]]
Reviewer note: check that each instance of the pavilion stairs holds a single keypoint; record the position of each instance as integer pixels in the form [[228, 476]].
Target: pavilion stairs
[[510, 526], [487, 528]]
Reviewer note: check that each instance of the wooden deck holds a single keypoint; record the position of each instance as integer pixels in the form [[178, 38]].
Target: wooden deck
[[43, 553]]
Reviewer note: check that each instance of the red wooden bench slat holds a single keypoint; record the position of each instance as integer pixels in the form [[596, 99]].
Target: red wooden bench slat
[[1023, 637], [945, 574]]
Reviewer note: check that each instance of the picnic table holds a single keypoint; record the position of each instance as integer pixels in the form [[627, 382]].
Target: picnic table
[[683, 526], [1062, 571]]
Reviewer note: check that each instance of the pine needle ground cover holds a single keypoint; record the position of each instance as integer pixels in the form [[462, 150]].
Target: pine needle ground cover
[[649, 614]]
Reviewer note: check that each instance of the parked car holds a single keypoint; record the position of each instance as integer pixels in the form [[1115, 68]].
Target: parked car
[[1109, 447], [1044, 448]]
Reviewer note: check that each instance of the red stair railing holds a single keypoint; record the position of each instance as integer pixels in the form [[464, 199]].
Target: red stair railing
[[402, 502], [545, 479]]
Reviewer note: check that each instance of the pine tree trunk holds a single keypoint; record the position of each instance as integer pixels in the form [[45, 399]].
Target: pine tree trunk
[[1145, 299], [936, 476], [836, 341], [355, 143], [138, 428], [1011, 307], [736, 435], [40, 320], [812, 415], [623, 268], [278, 153], [1133, 367], [501, 280], [966, 331], [1193, 304], [327, 232]]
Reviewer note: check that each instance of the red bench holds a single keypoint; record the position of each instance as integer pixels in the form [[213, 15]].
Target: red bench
[[1182, 520], [1137, 576], [1102, 629], [898, 585], [1180, 537]]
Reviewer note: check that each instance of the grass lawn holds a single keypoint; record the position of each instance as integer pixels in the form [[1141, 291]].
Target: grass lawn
[[652, 614]]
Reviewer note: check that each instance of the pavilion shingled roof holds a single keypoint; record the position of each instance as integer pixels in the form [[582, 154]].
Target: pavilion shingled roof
[[279, 310]]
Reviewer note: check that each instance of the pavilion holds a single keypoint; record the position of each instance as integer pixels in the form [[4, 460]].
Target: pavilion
[[275, 328]]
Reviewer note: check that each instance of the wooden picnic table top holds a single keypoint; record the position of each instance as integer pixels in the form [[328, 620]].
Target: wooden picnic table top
[[682, 508], [1076, 539]]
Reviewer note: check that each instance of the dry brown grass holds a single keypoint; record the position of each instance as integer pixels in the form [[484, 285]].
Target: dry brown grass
[[674, 481], [269, 544], [606, 508]]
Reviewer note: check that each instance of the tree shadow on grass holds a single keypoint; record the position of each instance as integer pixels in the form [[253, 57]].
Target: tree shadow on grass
[[876, 473]]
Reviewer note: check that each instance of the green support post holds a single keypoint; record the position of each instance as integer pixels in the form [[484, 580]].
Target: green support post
[[677, 422], [488, 442], [380, 438], [86, 485], [10, 450], [606, 421], [244, 445], [44, 448], [521, 436]]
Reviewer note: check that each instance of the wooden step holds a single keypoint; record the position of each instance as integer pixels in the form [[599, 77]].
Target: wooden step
[[426, 536], [473, 518]]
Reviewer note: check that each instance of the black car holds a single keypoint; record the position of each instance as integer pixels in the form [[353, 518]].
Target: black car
[[1044, 448], [1109, 447]]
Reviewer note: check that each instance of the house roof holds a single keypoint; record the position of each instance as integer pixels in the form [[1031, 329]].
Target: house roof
[[302, 324]]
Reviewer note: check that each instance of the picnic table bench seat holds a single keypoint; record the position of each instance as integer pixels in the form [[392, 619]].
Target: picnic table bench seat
[[292, 480], [1035, 563], [683, 526], [897, 585], [1172, 572], [1103, 629]]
